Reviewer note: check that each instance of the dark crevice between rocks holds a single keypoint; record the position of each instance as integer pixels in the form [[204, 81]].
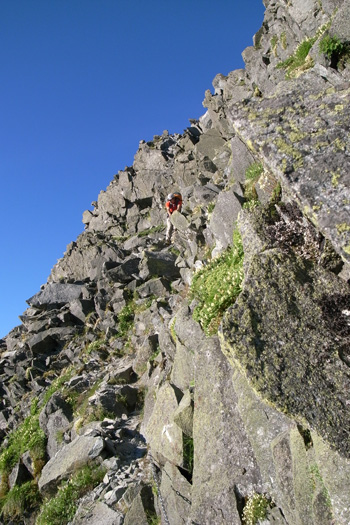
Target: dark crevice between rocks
[[188, 455], [178, 393], [306, 435], [240, 502]]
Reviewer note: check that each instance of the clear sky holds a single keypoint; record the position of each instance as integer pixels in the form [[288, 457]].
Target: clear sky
[[82, 82]]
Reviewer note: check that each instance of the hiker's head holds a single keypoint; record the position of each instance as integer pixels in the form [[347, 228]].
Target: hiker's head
[[170, 197]]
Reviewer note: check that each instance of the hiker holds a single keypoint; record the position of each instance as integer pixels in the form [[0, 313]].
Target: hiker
[[173, 203]]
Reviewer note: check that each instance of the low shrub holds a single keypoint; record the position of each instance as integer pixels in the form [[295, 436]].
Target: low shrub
[[336, 51], [20, 499], [217, 285], [256, 509], [27, 437]]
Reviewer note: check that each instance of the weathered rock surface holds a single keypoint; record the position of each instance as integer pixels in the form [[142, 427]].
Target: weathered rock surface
[[109, 368]]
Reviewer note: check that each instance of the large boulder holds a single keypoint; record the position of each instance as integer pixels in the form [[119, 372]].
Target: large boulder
[[176, 493], [159, 264], [55, 295], [294, 347], [223, 456], [96, 513], [51, 340], [222, 223], [162, 433], [74, 455]]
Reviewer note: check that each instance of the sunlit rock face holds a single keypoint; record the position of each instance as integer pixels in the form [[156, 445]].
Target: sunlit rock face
[[189, 383]]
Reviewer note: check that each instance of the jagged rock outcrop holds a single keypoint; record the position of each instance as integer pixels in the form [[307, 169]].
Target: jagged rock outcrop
[[127, 396]]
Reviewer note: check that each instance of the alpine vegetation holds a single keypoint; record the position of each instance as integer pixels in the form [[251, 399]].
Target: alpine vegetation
[[187, 361]]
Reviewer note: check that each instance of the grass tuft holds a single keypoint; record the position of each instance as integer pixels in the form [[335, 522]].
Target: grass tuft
[[60, 509]]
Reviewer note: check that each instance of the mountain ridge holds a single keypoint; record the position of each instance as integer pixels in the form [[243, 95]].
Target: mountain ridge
[[239, 416]]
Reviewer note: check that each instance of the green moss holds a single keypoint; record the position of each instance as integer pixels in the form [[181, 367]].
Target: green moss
[[252, 175], [318, 481], [343, 227], [188, 452], [297, 136], [339, 145]]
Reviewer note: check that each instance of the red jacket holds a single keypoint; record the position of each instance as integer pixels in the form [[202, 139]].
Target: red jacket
[[173, 206]]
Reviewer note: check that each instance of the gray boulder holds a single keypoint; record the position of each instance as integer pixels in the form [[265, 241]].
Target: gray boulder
[[124, 272], [159, 264], [340, 24], [97, 513], [50, 340], [224, 216], [163, 435], [74, 455], [176, 493], [304, 358], [55, 295]]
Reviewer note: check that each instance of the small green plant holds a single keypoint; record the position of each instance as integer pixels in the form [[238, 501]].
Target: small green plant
[[211, 207], [252, 175], [126, 318], [331, 45], [57, 385], [217, 285], [152, 518], [255, 509], [60, 509], [172, 330], [284, 40], [19, 499], [336, 51], [96, 345], [155, 354]]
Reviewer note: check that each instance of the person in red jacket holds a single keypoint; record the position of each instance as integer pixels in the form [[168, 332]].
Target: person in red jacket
[[173, 203]]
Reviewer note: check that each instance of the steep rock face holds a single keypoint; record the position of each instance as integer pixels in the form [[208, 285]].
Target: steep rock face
[[110, 383]]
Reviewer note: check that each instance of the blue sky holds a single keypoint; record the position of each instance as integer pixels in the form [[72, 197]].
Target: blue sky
[[82, 82]]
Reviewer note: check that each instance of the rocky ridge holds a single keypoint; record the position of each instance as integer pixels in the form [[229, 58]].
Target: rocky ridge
[[118, 405]]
